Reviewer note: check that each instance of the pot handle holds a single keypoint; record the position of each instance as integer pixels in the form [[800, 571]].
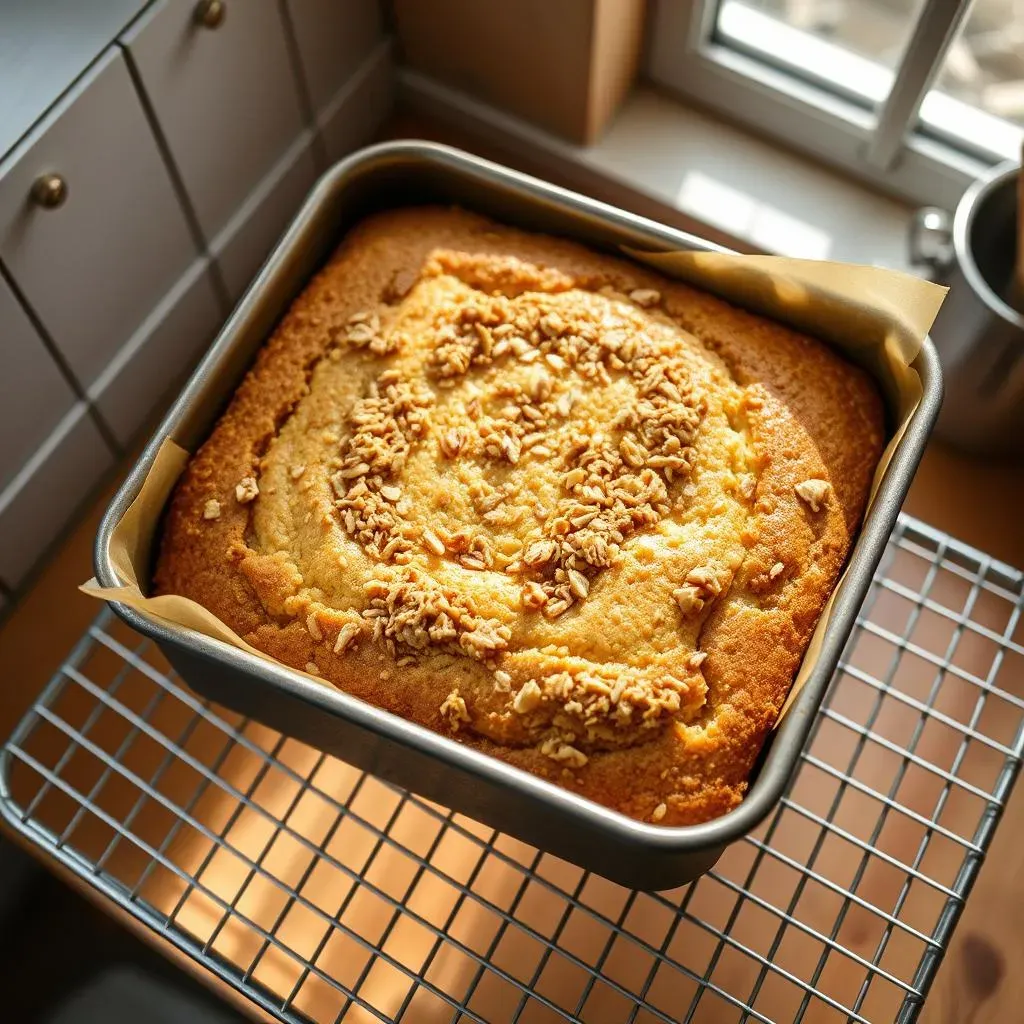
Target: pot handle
[[931, 240]]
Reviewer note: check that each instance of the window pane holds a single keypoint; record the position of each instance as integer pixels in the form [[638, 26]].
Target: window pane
[[978, 99], [848, 46]]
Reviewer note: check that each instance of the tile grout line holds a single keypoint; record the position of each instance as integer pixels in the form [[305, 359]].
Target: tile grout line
[[177, 182], [69, 375], [318, 146]]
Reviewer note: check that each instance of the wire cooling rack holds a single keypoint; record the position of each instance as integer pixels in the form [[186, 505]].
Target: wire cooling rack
[[326, 895]]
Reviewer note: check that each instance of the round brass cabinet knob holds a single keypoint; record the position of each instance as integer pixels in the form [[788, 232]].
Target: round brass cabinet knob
[[209, 13], [49, 191]]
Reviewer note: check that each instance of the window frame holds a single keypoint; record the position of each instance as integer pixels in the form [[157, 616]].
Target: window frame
[[899, 145]]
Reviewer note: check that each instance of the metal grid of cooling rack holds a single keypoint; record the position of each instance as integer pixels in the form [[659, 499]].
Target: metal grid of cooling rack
[[327, 895]]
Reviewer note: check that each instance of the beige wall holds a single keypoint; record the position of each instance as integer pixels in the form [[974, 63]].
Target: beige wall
[[563, 65]]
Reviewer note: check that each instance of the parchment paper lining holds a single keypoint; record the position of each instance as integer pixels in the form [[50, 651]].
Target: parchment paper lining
[[878, 317]]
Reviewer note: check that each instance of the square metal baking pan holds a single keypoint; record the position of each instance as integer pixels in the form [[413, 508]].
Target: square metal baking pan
[[634, 853]]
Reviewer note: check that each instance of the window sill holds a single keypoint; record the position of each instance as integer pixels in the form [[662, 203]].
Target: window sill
[[744, 191]]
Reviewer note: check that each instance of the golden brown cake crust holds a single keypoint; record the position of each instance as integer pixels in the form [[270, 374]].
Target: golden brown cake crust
[[544, 501]]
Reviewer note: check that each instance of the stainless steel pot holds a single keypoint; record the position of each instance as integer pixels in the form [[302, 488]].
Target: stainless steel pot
[[978, 335]]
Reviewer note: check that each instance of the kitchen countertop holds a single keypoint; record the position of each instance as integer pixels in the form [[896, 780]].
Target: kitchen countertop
[[45, 46], [974, 500]]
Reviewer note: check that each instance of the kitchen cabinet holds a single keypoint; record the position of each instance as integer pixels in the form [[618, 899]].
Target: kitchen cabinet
[[334, 38], [154, 362], [361, 105], [91, 230], [151, 154], [246, 241], [43, 497], [44, 46], [34, 395], [224, 95]]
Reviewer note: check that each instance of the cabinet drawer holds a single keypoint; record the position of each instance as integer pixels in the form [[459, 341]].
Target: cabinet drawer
[[40, 501], [33, 393], [245, 243], [135, 386], [93, 266], [224, 96], [334, 37], [352, 118]]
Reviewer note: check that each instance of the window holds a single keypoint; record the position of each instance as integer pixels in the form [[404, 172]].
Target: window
[[918, 96]]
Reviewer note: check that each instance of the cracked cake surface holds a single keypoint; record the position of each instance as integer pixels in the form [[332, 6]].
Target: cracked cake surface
[[538, 499]]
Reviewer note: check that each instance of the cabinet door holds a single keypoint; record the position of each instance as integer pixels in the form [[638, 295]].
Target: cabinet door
[[354, 115], [144, 376], [223, 93], [245, 243], [334, 37], [33, 393], [94, 252], [42, 499]]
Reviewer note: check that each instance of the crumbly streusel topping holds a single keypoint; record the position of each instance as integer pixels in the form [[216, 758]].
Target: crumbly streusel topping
[[483, 473]]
